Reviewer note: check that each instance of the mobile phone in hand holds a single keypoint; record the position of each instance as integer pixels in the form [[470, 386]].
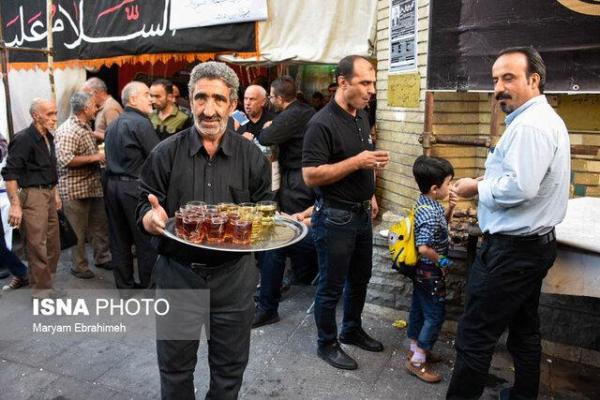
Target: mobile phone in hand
[[240, 117]]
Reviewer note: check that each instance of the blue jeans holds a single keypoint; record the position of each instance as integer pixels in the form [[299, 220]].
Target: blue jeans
[[272, 268], [427, 313], [8, 259], [344, 242]]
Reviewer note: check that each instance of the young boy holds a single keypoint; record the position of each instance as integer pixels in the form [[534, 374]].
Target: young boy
[[427, 310]]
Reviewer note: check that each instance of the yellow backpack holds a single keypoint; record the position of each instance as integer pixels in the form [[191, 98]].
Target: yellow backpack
[[401, 242]]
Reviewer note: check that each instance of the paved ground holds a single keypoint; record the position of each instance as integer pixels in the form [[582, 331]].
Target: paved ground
[[283, 364]]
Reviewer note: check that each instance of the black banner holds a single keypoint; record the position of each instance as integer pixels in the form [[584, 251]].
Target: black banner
[[465, 36], [99, 29]]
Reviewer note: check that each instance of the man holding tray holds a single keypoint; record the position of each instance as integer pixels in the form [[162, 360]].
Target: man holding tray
[[210, 163]]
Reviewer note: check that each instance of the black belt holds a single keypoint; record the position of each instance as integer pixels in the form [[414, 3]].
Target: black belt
[[123, 178], [46, 187], [347, 205], [516, 239]]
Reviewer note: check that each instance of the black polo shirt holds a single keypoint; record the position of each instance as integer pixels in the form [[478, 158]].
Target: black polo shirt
[[334, 135], [29, 161], [255, 127], [179, 170], [287, 131], [128, 141]]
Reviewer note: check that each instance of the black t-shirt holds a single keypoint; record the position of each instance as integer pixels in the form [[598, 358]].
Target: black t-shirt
[[334, 135], [255, 127]]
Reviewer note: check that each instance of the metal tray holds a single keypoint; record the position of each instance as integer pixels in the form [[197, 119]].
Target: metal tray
[[285, 233]]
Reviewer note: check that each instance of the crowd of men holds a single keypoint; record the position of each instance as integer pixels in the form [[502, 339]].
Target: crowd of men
[[157, 158]]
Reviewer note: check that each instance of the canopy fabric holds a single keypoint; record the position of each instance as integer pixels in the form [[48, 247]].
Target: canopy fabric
[[314, 31], [102, 32]]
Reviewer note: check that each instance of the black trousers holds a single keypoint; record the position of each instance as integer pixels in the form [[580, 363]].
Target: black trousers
[[293, 195], [231, 314], [503, 292], [121, 198]]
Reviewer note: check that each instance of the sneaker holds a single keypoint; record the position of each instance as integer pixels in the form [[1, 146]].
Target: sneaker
[[87, 274], [16, 283], [423, 372], [107, 266]]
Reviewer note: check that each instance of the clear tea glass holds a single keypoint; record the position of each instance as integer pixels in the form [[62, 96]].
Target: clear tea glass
[[216, 229], [242, 232]]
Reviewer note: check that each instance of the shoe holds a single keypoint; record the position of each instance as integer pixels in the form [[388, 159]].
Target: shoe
[[432, 358], [336, 357], [423, 373], [16, 283], [262, 318], [360, 338], [87, 274], [107, 266], [4, 273]]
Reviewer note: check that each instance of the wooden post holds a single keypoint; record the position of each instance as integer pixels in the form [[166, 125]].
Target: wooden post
[[4, 65], [50, 45], [426, 137]]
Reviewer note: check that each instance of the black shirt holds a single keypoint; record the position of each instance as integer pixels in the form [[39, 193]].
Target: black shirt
[[334, 135], [256, 127], [287, 131], [128, 141], [29, 161], [179, 170]]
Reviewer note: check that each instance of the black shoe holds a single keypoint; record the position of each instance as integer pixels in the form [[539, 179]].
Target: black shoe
[[336, 357], [107, 266], [262, 318], [87, 274], [360, 338]]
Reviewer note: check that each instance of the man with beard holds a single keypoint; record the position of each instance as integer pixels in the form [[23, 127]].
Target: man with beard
[[522, 197], [206, 162], [287, 132], [339, 161], [108, 108], [166, 118], [255, 101], [129, 140]]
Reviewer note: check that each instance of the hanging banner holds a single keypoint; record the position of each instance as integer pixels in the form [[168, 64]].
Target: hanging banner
[[197, 13], [465, 36], [403, 36], [97, 31]]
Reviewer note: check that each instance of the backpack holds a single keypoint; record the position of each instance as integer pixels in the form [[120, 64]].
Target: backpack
[[401, 242]]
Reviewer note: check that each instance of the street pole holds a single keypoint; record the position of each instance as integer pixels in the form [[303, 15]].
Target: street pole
[[4, 65], [50, 45]]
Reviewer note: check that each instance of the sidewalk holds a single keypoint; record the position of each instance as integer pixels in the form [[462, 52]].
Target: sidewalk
[[283, 363]]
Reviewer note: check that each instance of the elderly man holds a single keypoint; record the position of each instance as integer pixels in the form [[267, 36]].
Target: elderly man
[[109, 108], [80, 186], [338, 159], [31, 167], [522, 197], [255, 101], [166, 118], [210, 163], [129, 141]]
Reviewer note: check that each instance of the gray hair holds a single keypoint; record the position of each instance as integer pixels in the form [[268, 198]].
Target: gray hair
[[79, 101], [215, 70], [129, 90], [35, 105], [96, 84]]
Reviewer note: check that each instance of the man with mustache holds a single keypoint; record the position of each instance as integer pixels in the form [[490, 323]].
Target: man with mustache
[[522, 196], [206, 162], [128, 142], [339, 161]]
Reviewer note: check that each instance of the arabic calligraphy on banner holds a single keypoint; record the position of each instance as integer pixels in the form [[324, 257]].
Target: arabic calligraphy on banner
[[98, 29], [197, 13]]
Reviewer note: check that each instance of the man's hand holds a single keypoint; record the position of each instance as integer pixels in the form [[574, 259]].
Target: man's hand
[[465, 187], [100, 157], [452, 199], [155, 220], [374, 207], [57, 199], [372, 159], [267, 124], [248, 135], [15, 215], [99, 135]]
